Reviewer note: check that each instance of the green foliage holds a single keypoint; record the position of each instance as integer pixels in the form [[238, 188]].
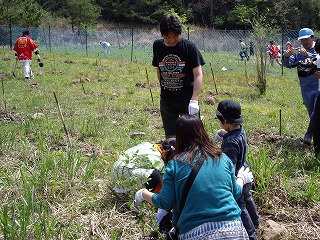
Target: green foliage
[[307, 190], [27, 212], [241, 16], [217, 14], [183, 18], [139, 11], [29, 13], [24, 13], [81, 13], [261, 35]]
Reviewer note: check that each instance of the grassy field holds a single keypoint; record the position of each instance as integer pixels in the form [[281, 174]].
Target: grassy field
[[53, 190]]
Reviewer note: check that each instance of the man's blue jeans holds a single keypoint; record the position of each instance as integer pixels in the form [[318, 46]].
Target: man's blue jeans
[[249, 214]]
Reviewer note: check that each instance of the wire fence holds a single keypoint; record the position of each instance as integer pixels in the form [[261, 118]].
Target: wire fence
[[134, 44]]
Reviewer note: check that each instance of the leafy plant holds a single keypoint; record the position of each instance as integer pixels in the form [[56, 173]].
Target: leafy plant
[[261, 35]]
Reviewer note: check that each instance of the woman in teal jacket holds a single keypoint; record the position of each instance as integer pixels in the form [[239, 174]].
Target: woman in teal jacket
[[211, 210]]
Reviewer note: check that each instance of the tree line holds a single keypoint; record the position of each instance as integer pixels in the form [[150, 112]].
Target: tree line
[[217, 14]]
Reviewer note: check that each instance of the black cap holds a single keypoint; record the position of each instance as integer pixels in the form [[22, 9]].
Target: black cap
[[25, 33], [230, 111]]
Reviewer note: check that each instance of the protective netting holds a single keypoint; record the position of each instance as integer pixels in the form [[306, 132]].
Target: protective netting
[[134, 44]]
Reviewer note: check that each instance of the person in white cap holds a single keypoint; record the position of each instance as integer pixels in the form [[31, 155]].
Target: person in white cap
[[309, 85], [243, 50]]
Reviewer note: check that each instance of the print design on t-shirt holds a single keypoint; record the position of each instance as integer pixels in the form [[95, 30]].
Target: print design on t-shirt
[[22, 42], [172, 75]]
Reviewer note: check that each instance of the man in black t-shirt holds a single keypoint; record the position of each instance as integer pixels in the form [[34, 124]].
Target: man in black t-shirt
[[179, 67]]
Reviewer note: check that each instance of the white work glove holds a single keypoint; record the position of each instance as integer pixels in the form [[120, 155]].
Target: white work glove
[[138, 198], [193, 107], [160, 214], [246, 175], [219, 135]]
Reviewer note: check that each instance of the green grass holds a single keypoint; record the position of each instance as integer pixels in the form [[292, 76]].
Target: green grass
[[50, 190]]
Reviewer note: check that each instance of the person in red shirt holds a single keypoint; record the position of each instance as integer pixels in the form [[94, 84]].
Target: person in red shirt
[[274, 53], [289, 46], [23, 48]]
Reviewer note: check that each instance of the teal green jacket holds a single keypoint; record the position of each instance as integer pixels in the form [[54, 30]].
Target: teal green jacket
[[212, 197]]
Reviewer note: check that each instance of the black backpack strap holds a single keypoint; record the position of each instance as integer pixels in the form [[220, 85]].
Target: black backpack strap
[[188, 185]]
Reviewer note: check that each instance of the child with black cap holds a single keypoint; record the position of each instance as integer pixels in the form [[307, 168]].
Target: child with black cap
[[234, 145]]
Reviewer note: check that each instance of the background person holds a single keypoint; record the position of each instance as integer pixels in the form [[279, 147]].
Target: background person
[[243, 50], [106, 46], [309, 85], [23, 48], [274, 53], [251, 48], [289, 46], [210, 211], [179, 68], [234, 145]]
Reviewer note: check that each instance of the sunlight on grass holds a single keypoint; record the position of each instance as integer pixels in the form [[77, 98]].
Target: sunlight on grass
[[52, 190]]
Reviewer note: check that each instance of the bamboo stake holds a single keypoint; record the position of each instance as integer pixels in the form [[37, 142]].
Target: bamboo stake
[[81, 81], [214, 81], [280, 122], [149, 87], [62, 119], [245, 71], [4, 98]]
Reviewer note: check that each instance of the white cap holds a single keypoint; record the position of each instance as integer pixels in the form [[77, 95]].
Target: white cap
[[305, 33]]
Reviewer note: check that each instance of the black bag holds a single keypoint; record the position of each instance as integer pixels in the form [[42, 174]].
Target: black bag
[[306, 70], [172, 234]]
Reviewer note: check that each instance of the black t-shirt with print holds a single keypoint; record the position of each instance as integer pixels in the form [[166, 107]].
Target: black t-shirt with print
[[176, 66]]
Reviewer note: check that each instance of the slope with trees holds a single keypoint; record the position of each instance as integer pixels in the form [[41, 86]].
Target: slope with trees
[[217, 14]]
